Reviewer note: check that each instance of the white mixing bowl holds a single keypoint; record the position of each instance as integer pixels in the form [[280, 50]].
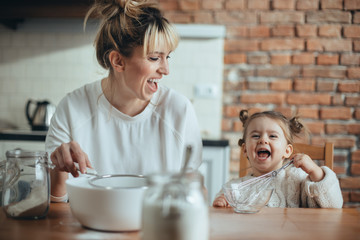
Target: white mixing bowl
[[114, 204]]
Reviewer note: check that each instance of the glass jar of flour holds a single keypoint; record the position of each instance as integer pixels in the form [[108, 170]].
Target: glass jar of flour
[[175, 207], [26, 184]]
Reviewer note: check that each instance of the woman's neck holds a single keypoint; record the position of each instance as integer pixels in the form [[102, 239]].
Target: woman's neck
[[120, 100]]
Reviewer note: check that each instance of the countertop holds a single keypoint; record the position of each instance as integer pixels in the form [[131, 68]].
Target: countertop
[[28, 135]]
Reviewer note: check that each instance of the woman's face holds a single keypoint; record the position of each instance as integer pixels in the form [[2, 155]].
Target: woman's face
[[141, 74], [266, 146]]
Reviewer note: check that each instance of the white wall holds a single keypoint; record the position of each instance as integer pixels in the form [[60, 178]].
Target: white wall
[[45, 60]]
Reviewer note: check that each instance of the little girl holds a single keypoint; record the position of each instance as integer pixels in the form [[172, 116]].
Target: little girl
[[267, 143]]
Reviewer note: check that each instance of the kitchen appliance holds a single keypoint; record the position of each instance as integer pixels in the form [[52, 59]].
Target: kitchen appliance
[[40, 117]]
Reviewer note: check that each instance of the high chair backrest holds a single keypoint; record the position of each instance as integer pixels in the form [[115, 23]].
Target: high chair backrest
[[323, 155]]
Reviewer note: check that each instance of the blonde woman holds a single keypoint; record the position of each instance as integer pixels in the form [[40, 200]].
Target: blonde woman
[[126, 123]]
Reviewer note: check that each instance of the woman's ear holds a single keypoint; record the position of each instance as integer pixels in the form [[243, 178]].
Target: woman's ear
[[117, 61], [289, 150]]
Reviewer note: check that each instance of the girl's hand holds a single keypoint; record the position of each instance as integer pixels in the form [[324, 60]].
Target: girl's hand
[[220, 202], [66, 154], [304, 162]]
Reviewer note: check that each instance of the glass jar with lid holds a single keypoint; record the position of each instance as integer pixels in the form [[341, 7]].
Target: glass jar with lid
[[26, 184], [175, 207]]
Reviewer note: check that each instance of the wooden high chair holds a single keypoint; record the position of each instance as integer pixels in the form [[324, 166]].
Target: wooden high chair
[[317, 153]]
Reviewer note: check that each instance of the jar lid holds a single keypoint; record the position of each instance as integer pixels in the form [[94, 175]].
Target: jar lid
[[21, 153]]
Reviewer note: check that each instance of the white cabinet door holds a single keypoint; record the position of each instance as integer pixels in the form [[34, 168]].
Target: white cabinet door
[[215, 168]]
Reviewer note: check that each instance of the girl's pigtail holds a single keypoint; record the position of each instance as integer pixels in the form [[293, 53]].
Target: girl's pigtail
[[243, 116]]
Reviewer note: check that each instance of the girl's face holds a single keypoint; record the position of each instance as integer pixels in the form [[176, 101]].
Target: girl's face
[[141, 74], [266, 146]]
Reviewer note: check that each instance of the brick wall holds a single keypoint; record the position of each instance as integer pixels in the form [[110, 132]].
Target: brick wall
[[290, 56]]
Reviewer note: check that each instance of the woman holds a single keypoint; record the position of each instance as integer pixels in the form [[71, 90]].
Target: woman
[[126, 123]]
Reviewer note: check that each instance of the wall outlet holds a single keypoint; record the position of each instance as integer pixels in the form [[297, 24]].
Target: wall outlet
[[204, 90]]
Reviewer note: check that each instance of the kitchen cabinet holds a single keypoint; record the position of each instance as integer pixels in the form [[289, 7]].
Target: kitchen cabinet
[[215, 169]]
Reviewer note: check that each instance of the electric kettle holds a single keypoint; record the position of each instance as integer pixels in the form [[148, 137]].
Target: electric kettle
[[40, 117]]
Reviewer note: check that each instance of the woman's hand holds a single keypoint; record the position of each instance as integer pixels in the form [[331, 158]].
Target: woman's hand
[[220, 202], [66, 155], [304, 162]]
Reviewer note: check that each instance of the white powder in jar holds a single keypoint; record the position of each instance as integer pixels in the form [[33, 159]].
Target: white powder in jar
[[178, 221]]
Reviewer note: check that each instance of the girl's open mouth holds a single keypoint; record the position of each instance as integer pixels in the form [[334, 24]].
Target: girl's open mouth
[[263, 154]]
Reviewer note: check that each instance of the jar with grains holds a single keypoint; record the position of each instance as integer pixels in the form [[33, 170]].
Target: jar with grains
[[26, 184], [175, 207]]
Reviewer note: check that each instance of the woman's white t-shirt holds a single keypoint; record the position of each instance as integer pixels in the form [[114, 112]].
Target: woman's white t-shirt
[[153, 141]]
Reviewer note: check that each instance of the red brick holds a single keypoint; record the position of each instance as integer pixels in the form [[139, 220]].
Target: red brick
[[278, 71], [236, 31], [340, 113], [328, 16], [281, 85], [226, 125], [303, 59], [189, 4], [352, 31], [357, 114], [355, 156], [283, 31], [308, 99], [282, 16], [203, 17], [231, 58], [305, 84], [286, 111], [326, 59], [307, 5], [259, 31], [325, 86], [266, 98], [306, 30], [333, 30], [280, 59], [259, 4], [237, 126], [334, 128], [352, 101], [331, 4], [234, 17], [231, 111], [166, 5], [356, 17], [315, 127], [337, 100], [355, 170], [283, 4], [232, 4], [353, 72], [309, 112], [282, 44], [339, 170], [350, 59], [337, 72], [329, 45], [349, 86], [354, 128], [257, 85], [339, 142], [178, 17], [258, 59], [355, 196], [357, 46], [350, 182], [213, 4], [351, 4], [241, 45]]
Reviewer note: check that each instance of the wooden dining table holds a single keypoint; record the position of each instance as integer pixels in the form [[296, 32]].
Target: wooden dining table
[[269, 223]]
